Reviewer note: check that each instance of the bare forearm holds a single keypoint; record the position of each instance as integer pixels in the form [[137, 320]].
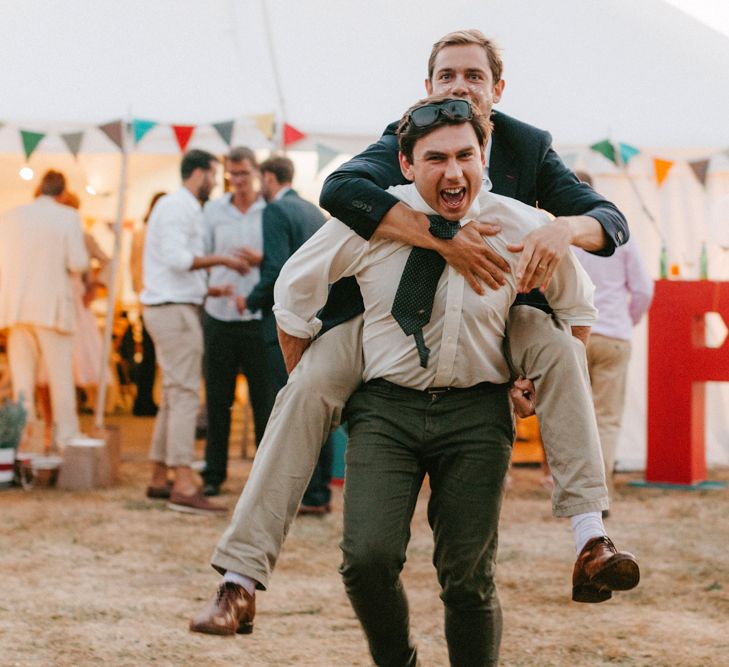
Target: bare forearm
[[403, 224], [585, 232], [582, 334], [292, 348], [206, 261]]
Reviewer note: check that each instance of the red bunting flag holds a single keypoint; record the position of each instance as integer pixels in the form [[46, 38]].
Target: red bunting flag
[[183, 134], [291, 135]]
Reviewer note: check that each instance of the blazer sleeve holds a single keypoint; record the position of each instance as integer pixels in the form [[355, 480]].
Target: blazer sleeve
[[355, 193], [561, 193], [277, 248]]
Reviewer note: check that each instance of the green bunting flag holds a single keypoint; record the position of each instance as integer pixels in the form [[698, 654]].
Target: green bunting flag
[[324, 155], [30, 141], [225, 130], [700, 169], [627, 153], [141, 127], [113, 130], [606, 149], [73, 141]]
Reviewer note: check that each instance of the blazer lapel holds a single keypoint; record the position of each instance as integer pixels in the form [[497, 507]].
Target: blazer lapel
[[503, 170]]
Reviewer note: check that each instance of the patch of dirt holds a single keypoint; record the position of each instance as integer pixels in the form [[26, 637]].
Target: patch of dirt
[[111, 578]]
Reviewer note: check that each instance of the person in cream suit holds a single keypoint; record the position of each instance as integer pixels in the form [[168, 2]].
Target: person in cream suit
[[41, 244]]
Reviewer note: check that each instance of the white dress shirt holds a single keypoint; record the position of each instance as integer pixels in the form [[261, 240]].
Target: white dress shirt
[[174, 238], [466, 331], [227, 228]]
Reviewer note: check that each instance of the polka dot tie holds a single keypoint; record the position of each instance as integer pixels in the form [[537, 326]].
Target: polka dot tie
[[413, 304]]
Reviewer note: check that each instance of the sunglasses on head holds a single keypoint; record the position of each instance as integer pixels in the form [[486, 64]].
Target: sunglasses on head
[[427, 114]]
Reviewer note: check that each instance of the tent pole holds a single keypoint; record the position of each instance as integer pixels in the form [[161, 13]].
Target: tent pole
[[111, 297], [276, 76]]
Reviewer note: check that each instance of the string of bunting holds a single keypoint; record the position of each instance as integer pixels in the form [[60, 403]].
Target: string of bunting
[[139, 127], [661, 167]]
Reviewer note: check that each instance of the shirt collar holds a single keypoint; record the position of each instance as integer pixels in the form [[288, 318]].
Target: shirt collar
[[281, 193]]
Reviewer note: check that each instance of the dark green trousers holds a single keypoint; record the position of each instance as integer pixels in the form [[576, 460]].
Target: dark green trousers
[[462, 441]]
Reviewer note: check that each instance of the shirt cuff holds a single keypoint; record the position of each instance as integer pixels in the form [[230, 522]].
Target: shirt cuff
[[294, 325]]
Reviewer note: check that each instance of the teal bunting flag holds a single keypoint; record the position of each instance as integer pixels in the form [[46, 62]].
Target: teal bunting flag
[[606, 149], [141, 127], [30, 141], [627, 153], [324, 155]]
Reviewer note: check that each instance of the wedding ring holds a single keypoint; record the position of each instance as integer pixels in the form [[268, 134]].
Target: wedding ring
[[541, 267]]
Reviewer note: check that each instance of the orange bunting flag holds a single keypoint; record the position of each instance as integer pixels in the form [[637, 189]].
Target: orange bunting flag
[[661, 168], [183, 134], [291, 135]]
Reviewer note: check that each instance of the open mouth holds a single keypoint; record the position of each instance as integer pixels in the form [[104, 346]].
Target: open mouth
[[453, 197]]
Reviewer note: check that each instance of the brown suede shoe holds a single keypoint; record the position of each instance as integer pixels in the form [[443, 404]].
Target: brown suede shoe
[[601, 569], [197, 503], [231, 611]]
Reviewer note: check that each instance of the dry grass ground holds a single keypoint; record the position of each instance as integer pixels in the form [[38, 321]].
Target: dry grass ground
[[110, 578]]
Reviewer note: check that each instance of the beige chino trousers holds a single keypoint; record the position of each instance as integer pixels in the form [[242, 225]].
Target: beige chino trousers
[[607, 362], [27, 344], [178, 343], [329, 372]]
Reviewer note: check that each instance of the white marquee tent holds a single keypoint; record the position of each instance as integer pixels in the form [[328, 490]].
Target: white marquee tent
[[640, 73]]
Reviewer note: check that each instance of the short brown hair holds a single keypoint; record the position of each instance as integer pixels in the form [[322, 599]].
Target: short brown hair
[[281, 167], [409, 134], [241, 153], [52, 184], [472, 36]]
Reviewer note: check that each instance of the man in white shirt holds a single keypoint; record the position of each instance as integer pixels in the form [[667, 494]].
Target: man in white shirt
[[175, 285], [40, 245], [435, 402], [233, 335]]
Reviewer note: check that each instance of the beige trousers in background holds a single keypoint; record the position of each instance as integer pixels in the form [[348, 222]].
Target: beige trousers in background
[[27, 345], [329, 372], [607, 362], [178, 343]]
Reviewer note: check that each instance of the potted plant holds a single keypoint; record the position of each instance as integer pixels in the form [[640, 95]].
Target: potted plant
[[12, 421]]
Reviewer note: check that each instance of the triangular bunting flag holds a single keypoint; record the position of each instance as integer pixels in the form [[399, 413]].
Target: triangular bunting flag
[[30, 141], [225, 130], [73, 141], [627, 153], [113, 130], [569, 160], [183, 134], [141, 127], [606, 149], [700, 168], [661, 167], [324, 155], [291, 135], [265, 123]]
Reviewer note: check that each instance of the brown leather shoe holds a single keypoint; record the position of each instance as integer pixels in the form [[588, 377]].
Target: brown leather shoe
[[160, 492], [601, 569], [197, 503], [314, 510], [231, 611]]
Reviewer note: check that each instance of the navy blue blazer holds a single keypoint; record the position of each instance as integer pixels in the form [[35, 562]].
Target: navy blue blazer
[[523, 165], [287, 223]]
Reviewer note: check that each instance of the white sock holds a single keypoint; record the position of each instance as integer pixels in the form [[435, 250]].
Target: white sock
[[240, 579], [585, 527]]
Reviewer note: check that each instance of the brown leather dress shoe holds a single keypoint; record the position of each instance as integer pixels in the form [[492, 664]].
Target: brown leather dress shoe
[[601, 569], [160, 492], [196, 503], [231, 611], [314, 510]]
